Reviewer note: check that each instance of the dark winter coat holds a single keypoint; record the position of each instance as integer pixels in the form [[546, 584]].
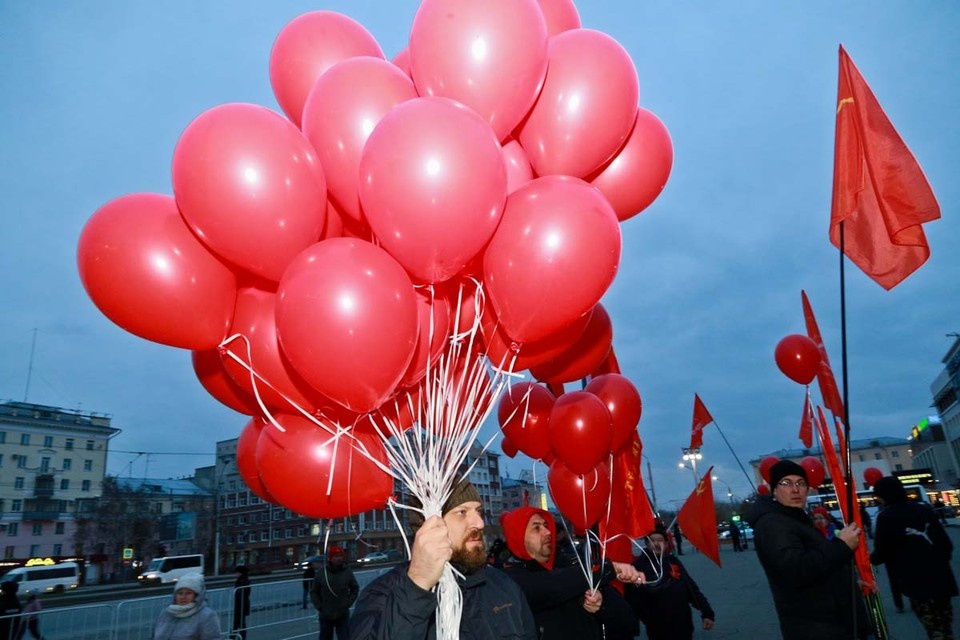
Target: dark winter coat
[[911, 541], [392, 607], [9, 606], [811, 577], [556, 599], [663, 604], [334, 591]]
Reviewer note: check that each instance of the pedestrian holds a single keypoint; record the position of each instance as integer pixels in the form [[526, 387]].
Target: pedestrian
[[735, 536], [811, 578], [241, 601], [309, 573], [866, 520], [824, 523], [563, 603], [333, 592], [662, 603], [10, 609], [188, 617], [941, 510], [677, 538], [400, 604], [916, 549], [32, 610]]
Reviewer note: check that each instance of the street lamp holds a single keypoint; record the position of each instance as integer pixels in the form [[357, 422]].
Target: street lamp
[[729, 490], [691, 456]]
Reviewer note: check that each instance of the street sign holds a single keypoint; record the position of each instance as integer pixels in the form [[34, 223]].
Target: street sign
[[127, 553]]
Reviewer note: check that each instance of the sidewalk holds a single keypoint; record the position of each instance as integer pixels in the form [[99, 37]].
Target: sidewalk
[[740, 596]]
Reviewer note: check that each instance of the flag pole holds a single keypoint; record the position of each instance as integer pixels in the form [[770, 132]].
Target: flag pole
[[846, 453], [735, 457]]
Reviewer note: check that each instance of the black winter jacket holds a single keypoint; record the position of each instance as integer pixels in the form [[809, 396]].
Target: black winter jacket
[[811, 577], [663, 604], [394, 608], [334, 591], [911, 541]]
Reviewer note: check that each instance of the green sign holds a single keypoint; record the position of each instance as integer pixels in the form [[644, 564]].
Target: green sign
[[127, 553]]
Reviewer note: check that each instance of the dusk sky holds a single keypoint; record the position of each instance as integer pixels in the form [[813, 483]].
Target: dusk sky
[[95, 95]]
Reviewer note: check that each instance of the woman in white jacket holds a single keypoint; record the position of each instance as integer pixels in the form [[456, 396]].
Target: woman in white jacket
[[187, 617]]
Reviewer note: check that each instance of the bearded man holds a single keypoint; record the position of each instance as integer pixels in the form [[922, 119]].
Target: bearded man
[[401, 604]]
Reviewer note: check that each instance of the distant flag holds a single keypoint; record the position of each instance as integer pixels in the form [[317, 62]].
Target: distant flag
[[698, 519], [806, 423], [701, 418], [825, 377], [880, 194]]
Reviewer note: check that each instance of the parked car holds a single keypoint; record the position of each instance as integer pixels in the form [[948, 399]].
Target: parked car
[[374, 557], [315, 560], [746, 533]]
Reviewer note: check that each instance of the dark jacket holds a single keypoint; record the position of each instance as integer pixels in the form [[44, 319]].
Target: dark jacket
[[392, 607], [241, 595], [663, 604], [334, 591], [811, 577], [911, 541], [556, 599], [9, 606]]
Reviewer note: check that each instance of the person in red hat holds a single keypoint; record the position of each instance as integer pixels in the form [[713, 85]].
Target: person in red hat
[[562, 601], [333, 593]]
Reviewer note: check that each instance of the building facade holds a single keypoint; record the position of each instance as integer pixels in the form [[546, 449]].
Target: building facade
[[945, 390], [52, 465]]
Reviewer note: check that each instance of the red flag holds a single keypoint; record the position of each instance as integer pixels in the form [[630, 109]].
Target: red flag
[[879, 191], [630, 513], [806, 423], [701, 418], [698, 519], [828, 383]]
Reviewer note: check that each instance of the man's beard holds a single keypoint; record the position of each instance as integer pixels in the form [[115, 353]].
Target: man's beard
[[470, 560]]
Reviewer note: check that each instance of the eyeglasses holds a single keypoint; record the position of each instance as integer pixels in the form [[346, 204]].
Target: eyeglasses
[[786, 484]]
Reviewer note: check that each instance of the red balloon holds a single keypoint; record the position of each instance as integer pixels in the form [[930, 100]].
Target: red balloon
[[347, 321], [580, 430], [524, 417], [584, 356], [490, 56], [250, 186], [309, 45], [553, 256], [622, 401], [560, 15], [871, 475], [434, 335], [432, 186], [798, 358], [763, 490], [348, 100], [639, 171], [145, 271], [296, 466], [815, 471], [211, 373], [587, 106], [765, 465], [519, 171], [247, 459], [506, 354], [582, 499], [509, 449]]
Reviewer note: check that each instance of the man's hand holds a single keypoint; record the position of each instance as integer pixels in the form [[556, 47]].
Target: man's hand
[[707, 624], [431, 551], [628, 574], [592, 601], [850, 534]]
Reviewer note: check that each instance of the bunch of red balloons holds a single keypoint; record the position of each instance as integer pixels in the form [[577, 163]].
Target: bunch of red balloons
[[317, 260], [574, 434]]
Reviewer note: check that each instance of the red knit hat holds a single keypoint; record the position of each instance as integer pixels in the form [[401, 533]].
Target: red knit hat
[[514, 524]]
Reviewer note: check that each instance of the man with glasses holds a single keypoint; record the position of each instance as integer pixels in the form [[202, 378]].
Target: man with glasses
[[811, 577]]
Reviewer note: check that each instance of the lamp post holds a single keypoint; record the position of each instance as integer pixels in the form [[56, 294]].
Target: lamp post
[[729, 490], [691, 456]]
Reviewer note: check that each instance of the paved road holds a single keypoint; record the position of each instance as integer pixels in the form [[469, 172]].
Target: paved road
[[740, 596]]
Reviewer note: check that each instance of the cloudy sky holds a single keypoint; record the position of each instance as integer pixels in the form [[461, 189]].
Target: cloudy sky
[[95, 95]]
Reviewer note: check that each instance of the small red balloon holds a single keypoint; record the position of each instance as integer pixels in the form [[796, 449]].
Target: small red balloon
[[524, 417], [763, 490], [582, 499], [798, 358], [871, 475], [765, 465], [581, 430], [815, 471], [623, 402]]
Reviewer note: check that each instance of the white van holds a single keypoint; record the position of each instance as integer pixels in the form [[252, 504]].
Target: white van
[[169, 569], [55, 578]]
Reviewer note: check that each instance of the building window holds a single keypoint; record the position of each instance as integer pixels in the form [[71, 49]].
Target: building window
[[13, 528], [58, 549], [288, 533], [88, 465], [64, 484], [860, 456], [899, 467], [18, 482], [8, 552], [37, 530], [16, 506], [85, 485], [24, 438], [34, 550], [894, 454], [58, 529], [264, 536], [89, 445], [241, 519], [67, 464], [69, 445], [22, 462], [3, 438], [48, 441], [44, 465], [229, 540], [878, 456], [1, 459]]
